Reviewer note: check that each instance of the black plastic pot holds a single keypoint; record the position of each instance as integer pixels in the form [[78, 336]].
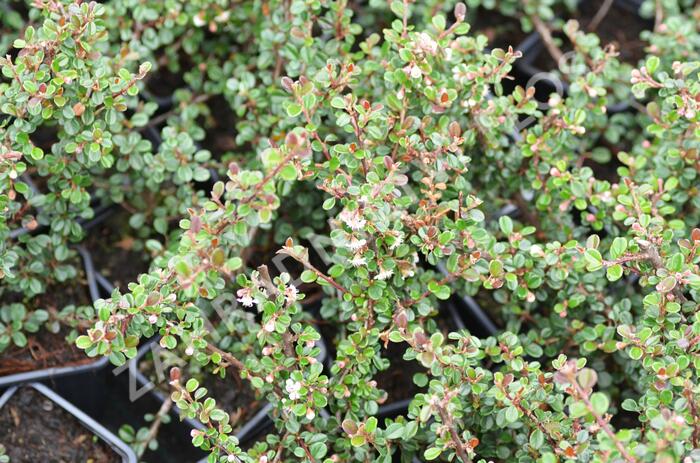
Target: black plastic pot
[[56, 372], [97, 429], [546, 79], [246, 432]]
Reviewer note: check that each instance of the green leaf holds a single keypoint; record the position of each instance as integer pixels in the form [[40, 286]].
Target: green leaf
[[83, 342], [594, 261], [288, 172], [512, 414], [536, 439], [218, 415], [293, 109], [506, 225], [618, 247], [19, 339], [667, 284], [394, 431], [398, 7], [432, 453], [652, 64], [308, 276], [338, 102], [371, 425], [440, 291], [600, 403], [636, 353], [614, 272], [577, 409], [318, 450], [191, 385], [439, 22], [358, 440]]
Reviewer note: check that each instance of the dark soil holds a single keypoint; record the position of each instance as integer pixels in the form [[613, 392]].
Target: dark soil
[[620, 27], [233, 395], [45, 349], [221, 133], [329, 333], [397, 381], [607, 171], [32, 428], [501, 30], [445, 323], [113, 253], [44, 137], [163, 82]]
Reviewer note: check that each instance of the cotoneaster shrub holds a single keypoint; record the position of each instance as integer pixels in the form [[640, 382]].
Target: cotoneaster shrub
[[389, 133], [63, 102]]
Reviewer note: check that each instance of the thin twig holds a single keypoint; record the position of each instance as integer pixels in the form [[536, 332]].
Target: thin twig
[[602, 12], [546, 35], [659, 16], [153, 430], [454, 435], [604, 425]]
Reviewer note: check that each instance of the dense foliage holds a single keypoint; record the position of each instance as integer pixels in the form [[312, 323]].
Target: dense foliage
[[379, 149]]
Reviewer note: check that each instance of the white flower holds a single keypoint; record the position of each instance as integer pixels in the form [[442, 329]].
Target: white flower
[[415, 72], [353, 219], [310, 414], [358, 260], [223, 16], [448, 53], [426, 43], [152, 319], [290, 293], [407, 271], [292, 387], [269, 326], [245, 297], [384, 274], [356, 245], [397, 242], [198, 19]]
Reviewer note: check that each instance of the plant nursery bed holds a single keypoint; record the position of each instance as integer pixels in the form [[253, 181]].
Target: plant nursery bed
[[49, 353], [36, 425], [371, 218], [44, 350]]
